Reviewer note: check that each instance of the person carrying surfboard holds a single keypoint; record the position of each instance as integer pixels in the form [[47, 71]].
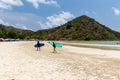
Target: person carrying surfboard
[[54, 47], [38, 45]]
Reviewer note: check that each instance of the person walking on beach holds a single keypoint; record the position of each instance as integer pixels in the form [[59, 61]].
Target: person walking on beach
[[38, 45], [54, 47]]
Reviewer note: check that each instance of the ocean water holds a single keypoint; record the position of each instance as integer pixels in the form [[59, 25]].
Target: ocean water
[[97, 42], [102, 42]]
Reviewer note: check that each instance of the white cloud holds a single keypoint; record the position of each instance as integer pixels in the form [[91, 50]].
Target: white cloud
[[20, 20], [116, 11], [56, 20], [7, 4], [3, 22], [17, 25], [21, 26], [13, 2], [4, 6], [37, 2]]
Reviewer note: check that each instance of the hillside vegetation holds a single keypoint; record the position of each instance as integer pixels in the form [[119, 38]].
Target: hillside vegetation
[[80, 28], [12, 32]]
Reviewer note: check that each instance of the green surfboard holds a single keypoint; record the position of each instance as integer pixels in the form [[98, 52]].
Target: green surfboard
[[58, 45]]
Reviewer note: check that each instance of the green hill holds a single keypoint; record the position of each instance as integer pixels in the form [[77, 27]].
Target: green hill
[[12, 32], [81, 28]]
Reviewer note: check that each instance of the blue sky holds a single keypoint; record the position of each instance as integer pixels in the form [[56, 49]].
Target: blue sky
[[44, 14]]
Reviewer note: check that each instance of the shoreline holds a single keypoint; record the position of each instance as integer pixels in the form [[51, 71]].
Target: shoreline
[[97, 46]]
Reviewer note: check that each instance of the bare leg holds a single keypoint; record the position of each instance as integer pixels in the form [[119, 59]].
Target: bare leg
[[39, 48], [54, 50]]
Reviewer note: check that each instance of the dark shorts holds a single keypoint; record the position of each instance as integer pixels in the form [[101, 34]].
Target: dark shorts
[[54, 46], [38, 45]]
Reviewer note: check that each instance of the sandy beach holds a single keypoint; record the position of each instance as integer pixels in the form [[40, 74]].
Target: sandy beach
[[20, 61]]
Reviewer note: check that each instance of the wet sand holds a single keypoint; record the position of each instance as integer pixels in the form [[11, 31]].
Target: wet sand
[[21, 61]]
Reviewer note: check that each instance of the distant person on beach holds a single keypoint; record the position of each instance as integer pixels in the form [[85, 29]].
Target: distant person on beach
[[38, 45], [54, 47]]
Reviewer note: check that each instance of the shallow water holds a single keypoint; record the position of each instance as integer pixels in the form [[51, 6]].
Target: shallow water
[[104, 42], [97, 42]]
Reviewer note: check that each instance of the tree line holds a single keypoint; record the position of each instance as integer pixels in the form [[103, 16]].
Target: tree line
[[4, 34]]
